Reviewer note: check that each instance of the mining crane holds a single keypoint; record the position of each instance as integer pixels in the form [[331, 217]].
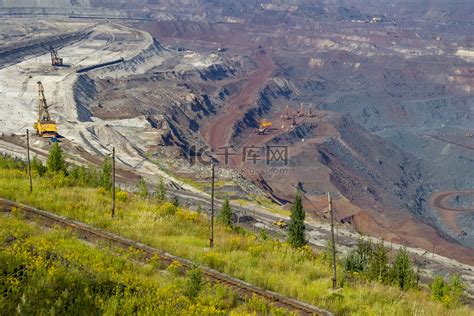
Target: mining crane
[[45, 126], [55, 59], [293, 124], [301, 113], [286, 116]]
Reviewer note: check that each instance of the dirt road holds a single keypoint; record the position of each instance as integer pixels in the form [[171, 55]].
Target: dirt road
[[219, 130], [449, 214], [452, 142]]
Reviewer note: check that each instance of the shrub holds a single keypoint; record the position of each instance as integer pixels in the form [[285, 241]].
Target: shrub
[[55, 162], [194, 282], [38, 166], [357, 260], [167, 209], [214, 260], [121, 196], [175, 267], [175, 201], [83, 176], [9, 162], [187, 215]]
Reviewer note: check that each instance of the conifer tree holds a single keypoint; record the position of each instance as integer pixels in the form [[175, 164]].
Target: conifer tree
[[55, 162], [439, 289], [226, 213], [161, 190], [402, 273], [296, 227], [106, 174], [142, 188], [456, 290], [378, 263]]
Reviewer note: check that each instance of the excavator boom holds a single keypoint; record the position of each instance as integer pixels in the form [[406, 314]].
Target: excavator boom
[[45, 126], [55, 59]]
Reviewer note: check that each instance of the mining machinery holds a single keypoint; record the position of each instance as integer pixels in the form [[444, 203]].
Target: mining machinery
[[286, 116], [55, 59], [293, 124], [44, 126], [264, 126], [301, 113]]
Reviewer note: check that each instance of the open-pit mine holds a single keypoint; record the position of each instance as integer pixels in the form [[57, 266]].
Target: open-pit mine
[[375, 106]]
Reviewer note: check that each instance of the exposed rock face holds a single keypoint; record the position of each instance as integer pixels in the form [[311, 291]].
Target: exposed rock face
[[370, 170], [174, 91]]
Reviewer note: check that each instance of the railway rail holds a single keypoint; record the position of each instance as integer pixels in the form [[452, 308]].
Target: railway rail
[[94, 234]]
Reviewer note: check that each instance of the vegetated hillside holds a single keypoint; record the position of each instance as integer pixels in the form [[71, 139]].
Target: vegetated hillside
[[52, 272], [298, 273]]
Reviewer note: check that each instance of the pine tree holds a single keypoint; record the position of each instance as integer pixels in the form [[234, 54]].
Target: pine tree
[[402, 273], [226, 213], [55, 162], [296, 227], [448, 293], [142, 188], [439, 289], [456, 290], [161, 190], [378, 263], [106, 174]]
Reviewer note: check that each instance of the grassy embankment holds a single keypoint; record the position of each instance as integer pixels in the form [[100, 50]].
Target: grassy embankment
[[298, 273], [52, 272]]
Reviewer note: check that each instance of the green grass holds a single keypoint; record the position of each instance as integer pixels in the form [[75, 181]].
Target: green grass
[[265, 263], [266, 204], [52, 272]]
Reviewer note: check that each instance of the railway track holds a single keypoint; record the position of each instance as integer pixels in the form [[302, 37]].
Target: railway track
[[94, 234]]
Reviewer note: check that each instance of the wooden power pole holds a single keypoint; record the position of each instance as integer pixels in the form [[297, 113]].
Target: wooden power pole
[[333, 244], [28, 158], [211, 238], [113, 182]]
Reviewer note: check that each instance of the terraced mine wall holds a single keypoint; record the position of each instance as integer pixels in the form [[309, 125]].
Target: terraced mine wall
[[64, 9], [12, 54], [109, 63]]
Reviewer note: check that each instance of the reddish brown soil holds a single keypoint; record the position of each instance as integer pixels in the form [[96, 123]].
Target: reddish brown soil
[[219, 130]]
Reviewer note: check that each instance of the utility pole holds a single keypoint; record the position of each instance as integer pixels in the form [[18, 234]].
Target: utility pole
[[211, 238], [28, 158], [113, 182], [333, 244]]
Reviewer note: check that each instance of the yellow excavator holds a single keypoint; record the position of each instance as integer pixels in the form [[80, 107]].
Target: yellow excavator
[[263, 126], [45, 126]]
